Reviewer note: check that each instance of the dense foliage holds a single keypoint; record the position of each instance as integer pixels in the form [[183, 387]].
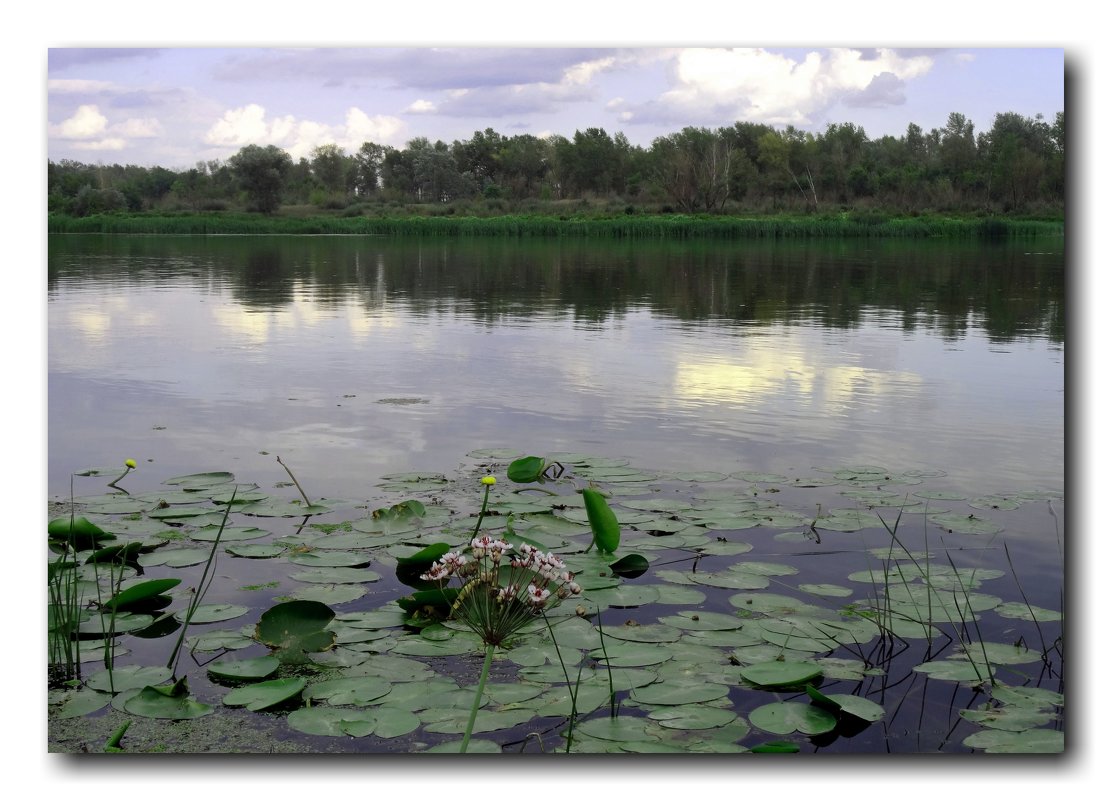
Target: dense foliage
[[1016, 166]]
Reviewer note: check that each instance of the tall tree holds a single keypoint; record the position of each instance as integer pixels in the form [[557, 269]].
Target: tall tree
[[261, 172], [330, 166]]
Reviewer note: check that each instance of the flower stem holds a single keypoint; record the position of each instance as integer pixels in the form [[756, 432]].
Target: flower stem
[[478, 698]]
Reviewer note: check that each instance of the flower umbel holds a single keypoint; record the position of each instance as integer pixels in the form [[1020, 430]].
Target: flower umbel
[[502, 588]]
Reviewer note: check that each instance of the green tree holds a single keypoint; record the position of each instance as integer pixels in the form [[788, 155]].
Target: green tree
[[330, 167], [367, 168], [261, 173]]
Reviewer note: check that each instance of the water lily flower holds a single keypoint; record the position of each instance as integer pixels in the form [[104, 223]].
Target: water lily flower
[[489, 480], [130, 463]]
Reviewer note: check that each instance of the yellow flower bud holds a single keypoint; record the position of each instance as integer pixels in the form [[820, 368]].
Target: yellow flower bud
[[488, 480], [130, 463]]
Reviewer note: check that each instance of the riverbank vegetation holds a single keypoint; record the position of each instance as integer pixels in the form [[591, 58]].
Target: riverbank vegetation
[[742, 180]]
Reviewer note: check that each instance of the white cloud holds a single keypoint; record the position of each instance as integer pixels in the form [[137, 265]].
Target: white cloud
[[244, 126], [111, 143], [759, 85], [249, 125], [132, 128], [582, 73], [69, 86], [87, 122], [360, 128], [420, 107]]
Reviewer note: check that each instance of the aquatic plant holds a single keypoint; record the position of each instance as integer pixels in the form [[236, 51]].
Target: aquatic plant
[[502, 588]]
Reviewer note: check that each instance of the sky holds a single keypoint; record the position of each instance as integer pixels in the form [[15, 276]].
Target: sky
[[175, 106]]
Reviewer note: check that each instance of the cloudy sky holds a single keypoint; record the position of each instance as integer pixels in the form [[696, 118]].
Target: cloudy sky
[[173, 106]]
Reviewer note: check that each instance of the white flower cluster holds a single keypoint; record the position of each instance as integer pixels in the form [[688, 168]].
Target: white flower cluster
[[534, 578]]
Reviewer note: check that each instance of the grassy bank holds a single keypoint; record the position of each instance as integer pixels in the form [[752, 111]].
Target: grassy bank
[[672, 226]]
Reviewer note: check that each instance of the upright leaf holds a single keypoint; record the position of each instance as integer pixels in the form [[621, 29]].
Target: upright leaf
[[604, 523]]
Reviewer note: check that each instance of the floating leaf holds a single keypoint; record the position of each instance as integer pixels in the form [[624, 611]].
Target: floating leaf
[[353, 691], [330, 722], [197, 481], [1021, 611], [244, 669], [1032, 741], [781, 674], [256, 550], [788, 716], [213, 613], [1008, 718], [673, 693], [265, 694], [130, 677], [166, 703], [296, 627], [692, 717], [630, 566]]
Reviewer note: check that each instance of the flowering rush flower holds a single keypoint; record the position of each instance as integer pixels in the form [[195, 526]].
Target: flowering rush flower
[[502, 587]]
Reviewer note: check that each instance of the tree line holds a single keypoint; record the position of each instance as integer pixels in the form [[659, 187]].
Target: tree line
[[1016, 166]]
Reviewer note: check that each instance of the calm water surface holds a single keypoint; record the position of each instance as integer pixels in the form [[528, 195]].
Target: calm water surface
[[353, 357]]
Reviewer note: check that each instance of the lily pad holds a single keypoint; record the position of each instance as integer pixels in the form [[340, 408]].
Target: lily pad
[[244, 669], [130, 677], [213, 613], [265, 694], [166, 703], [674, 693], [788, 716], [692, 717], [781, 674], [352, 691], [381, 721], [1032, 741]]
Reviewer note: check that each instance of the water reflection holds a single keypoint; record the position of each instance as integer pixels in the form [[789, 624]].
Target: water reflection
[[1008, 290], [768, 356]]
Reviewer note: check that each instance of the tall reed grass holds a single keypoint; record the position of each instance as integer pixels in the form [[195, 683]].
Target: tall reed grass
[[645, 227]]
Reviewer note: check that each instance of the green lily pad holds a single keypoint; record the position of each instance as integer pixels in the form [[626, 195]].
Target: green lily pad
[[786, 717], [994, 502], [166, 703], [265, 694], [674, 693], [352, 691], [253, 550], [1008, 718], [336, 575], [1021, 611], [1032, 741], [83, 702], [330, 558], [624, 728], [1034, 697], [227, 534], [130, 677], [781, 674], [296, 628], [329, 593], [198, 481], [381, 721], [958, 669], [702, 621], [692, 717], [959, 523], [175, 557], [244, 669], [213, 613]]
